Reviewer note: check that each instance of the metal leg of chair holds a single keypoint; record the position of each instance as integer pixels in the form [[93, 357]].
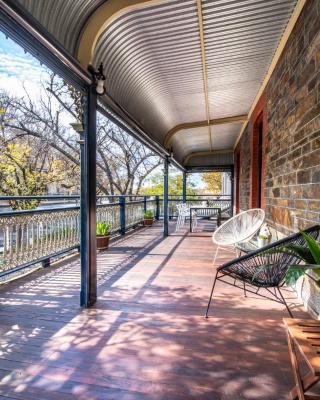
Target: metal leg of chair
[[178, 223], [183, 220], [244, 289], [285, 303], [215, 256], [209, 302]]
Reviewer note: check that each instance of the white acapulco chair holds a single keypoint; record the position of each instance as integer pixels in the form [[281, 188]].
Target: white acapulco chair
[[183, 213], [240, 228]]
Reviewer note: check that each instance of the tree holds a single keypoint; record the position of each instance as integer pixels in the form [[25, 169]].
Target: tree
[[122, 162], [213, 182], [25, 172], [175, 185]]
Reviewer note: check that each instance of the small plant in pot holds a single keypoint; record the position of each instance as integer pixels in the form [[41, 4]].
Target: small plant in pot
[[148, 218], [309, 254], [306, 256], [103, 235], [263, 240], [264, 236]]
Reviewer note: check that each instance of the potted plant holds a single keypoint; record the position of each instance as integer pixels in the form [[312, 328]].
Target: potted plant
[[148, 218], [309, 254], [264, 236], [103, 235], [263, 240]]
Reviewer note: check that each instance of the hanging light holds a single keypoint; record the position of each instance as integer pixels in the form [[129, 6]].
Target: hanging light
[[99, 78]]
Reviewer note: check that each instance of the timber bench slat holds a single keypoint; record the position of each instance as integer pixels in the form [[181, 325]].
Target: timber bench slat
[[304, 337]]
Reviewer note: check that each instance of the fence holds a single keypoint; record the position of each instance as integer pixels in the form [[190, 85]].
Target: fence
[[32, 236], [28, 237], [224, 202]]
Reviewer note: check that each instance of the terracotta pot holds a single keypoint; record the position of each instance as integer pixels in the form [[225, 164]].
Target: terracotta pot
[[103, 242], [148, 221]]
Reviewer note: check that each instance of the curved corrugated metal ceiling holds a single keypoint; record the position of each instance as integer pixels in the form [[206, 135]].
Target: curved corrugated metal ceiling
[[64, 19], [153, 61], [153, 58], [195, 140], [153, 64]]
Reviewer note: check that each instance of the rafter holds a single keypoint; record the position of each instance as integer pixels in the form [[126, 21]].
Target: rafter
[[99, 20], [198, 124], [188, 157], [204, 68]]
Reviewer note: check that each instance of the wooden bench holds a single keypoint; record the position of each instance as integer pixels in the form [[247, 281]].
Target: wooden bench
[[304, 337]]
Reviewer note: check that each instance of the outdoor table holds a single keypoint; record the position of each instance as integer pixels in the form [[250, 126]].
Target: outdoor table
[[247, 247], [251, 245], [208, 212], [304, 338]]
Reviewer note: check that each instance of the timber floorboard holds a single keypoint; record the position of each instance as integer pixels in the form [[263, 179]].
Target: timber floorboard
[[146, 337]]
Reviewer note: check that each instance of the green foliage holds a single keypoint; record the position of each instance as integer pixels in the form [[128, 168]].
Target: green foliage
[[102, 228], [24, 172], [175, 185], [309, 254], [148, 214], [263, 236], [213, 182]]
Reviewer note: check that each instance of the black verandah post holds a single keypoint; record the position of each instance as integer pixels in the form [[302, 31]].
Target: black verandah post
[[232, 190], [144, 203], [157, 208], [165, 197], [122, 202], [184, 187], [88, 246]]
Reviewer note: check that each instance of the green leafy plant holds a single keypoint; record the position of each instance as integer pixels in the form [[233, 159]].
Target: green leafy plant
[[102, 228], [148, 214], [309, 254], [264, 236]]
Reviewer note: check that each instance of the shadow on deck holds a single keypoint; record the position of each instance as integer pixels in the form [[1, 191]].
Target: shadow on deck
[[146, 337]]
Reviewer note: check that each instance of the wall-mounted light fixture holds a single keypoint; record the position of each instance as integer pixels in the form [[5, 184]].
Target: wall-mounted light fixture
[[99, 78]]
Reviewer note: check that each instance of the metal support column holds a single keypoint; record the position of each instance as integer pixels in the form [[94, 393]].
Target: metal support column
[[184, 187], [88, 246], [165, 197], [122, 201], [157, 208], [232, 190], [144, 203]]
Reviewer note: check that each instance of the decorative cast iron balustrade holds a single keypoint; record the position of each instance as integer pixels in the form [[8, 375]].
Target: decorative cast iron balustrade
[[109, 213], [134, 213], [222, 202], [33, 236]]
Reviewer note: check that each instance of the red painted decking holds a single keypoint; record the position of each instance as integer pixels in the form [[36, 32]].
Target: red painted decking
[[146, 338]]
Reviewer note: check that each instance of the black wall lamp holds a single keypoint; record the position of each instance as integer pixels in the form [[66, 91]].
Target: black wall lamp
[[99, 78]]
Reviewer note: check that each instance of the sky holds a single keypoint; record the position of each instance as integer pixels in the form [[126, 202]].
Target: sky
[[20, 69]]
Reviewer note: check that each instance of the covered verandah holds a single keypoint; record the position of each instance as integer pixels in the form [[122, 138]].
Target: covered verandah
[[230, 86], [146, 337]]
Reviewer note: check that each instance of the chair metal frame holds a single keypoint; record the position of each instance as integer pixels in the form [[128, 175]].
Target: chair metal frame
[[183, 213], [247, 269], [255, 215]]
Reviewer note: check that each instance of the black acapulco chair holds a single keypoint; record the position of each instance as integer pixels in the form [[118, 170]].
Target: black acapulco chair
[[248, 272]]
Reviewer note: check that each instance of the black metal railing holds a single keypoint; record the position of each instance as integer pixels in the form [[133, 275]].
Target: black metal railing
[[224, 202], [28, 237], [32, 236]]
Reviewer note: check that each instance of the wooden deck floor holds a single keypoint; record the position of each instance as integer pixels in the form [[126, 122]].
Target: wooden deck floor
[[146, 338]]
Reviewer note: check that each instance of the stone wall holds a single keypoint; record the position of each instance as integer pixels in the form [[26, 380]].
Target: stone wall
[[292, 140], [244, 174]]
